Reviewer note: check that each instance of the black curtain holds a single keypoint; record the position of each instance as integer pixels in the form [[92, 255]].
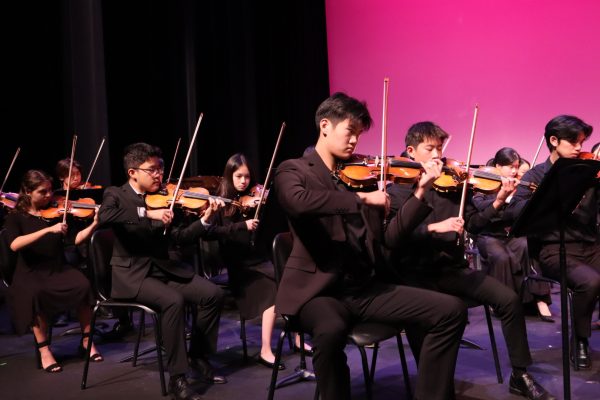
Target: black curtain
[[246, 65], [142, 70]]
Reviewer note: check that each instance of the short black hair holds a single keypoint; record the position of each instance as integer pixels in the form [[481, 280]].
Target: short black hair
[[339, 106], [566, 127], [420, 131], [506, 156], [138, 153]]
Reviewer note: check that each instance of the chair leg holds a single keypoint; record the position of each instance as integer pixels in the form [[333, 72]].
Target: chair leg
[[374, 362], [365, 366], [243, 338], [139, 338], [278, 352], [572, 316], [158, 338], [404, 366], [88, 351], [488, 318]]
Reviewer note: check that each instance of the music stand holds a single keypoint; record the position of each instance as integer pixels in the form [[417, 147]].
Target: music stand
[[559, 193]]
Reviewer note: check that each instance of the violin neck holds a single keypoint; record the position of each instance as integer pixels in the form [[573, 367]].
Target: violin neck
[[491, 176], [202, 196]]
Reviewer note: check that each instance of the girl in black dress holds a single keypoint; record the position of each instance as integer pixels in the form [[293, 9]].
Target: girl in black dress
[[506, 256], [251, 273], [43, 284]]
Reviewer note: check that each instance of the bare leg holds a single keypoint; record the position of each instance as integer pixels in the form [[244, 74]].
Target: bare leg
[[84, 314], [307, 346], [39, 331], [268, 322]]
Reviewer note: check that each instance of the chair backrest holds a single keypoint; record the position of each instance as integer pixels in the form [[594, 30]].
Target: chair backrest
[[282, 247], [8, 260], [100, 253]]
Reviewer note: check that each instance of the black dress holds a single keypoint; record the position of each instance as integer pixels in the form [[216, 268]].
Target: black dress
[[251, 273], [42, 283]]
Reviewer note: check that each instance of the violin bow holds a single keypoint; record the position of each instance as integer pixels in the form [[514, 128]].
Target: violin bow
[[10, 169], [185, 163], [267, 180], [446, 144], [463, 197], [382, 181], [69, 178], [269, 171], [94, 163], [174, 158], [537, 152]]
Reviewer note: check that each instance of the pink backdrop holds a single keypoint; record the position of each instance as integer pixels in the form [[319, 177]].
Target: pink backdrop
[[522, 61]]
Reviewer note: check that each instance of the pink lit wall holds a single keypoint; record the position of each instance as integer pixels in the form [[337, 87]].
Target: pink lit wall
[[522, 61]]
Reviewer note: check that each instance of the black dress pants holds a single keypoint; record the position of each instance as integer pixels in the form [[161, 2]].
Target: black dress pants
[[170, 297], [583, 278], [479, 287], [434, 323]]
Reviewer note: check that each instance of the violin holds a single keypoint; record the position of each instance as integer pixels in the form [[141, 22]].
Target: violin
[[9, 200], [484, 179], [88, 185], [83, 208], [193, 199], [252, 199]]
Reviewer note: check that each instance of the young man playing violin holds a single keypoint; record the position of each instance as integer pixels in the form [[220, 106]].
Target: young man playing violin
[[565, 135], [433, 256], [141, 269], [330, 280]]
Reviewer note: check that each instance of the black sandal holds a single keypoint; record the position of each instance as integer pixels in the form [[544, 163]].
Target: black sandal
[[83, 351], [52, 368]]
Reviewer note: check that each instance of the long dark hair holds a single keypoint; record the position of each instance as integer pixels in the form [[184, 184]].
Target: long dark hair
[[226, 188], [506, 156], [31, 181]]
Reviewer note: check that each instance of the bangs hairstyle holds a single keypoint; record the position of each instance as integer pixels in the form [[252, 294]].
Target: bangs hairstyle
[[138, 153], [339, 106], [31, 181], [62, 168], [226, 187], [566, 127], [506, 156], [421, 131]]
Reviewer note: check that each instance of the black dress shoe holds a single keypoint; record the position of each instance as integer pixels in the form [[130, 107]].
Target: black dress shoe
[[205, 371], [180, 389], [269, 364], [524, 385], [307, 353], [580, 356]]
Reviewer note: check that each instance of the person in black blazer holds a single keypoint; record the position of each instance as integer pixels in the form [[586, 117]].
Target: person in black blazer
[[433, 256], [330, 279], [142, 270]]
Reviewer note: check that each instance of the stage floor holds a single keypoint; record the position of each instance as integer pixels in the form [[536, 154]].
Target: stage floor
[[475, 375]]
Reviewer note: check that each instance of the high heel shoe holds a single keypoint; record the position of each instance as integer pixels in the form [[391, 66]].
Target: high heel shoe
[[545, 318], [52, 368], [96, 357]]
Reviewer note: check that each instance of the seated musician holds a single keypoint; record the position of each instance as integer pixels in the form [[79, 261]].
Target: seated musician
[[43, 282], [142, 270], [565, 135], [433, 255], [506, 256], [329, 281]]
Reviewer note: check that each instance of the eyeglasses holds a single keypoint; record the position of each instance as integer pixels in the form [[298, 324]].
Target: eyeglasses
[[152, 171]]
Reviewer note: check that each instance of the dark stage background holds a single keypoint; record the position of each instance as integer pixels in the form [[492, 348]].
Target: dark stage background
[[144, 70]]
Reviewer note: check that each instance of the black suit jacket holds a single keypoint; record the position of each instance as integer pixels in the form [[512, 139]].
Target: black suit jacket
[[317, 212], [139, 241]]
